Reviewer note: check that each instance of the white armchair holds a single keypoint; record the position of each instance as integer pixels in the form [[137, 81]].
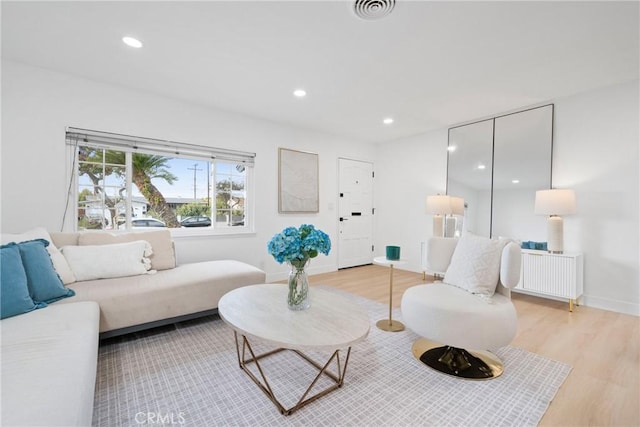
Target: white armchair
[[461, 317]]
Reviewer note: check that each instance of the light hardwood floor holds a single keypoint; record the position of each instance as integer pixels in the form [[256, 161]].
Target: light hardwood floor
[[603, 388]]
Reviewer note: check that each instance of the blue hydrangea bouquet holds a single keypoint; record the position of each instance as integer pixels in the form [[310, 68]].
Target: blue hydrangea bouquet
[[297, 246]]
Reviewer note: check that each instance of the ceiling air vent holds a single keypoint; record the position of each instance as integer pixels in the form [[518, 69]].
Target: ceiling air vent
[[371, 10]]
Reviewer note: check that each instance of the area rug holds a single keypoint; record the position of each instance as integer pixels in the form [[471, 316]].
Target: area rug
[[188, 375]]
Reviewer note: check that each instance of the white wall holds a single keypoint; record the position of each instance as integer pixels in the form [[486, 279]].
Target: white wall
[[38, 104], [407, 171], [595, 152]]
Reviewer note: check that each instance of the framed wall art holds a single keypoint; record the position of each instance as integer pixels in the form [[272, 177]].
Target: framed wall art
[[298, 186]]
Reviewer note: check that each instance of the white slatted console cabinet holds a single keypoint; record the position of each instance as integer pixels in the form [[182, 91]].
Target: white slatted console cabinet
[[559, 276]]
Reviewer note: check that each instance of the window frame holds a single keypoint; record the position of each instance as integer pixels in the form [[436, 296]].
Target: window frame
[[73, 144]]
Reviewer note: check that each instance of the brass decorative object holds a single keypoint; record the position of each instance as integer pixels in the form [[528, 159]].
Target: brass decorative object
[[458, 362], [390, 325]]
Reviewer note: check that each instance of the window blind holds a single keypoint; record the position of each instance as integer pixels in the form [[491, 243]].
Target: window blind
[[108, 140]]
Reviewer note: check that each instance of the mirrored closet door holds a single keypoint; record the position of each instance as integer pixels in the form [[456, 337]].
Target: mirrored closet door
[[497, 165]]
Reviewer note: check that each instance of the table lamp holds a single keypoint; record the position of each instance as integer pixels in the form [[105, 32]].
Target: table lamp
[[554, 203], [438, 205]]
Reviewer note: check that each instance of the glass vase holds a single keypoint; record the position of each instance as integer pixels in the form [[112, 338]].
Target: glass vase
[[298, 296]]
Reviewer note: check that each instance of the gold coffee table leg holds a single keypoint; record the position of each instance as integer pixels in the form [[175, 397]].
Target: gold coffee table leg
[[260, 378], [390, 325]]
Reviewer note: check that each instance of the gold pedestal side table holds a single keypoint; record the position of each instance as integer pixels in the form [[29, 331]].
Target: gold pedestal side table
[[389, 324]]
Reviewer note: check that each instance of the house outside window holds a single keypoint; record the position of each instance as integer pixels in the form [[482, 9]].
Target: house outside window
[[120, 186]]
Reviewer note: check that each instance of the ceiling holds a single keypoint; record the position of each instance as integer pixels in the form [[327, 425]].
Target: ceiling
[[428, 65]]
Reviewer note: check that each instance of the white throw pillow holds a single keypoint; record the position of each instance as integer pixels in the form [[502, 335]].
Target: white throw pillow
[[163, 257], [108, 261], [59, 262], [475, 264]]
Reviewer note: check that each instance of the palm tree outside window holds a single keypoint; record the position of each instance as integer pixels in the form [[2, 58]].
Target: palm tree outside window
[[123, 189]]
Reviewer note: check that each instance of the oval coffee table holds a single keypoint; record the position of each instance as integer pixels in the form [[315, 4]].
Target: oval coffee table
[[260, 312]]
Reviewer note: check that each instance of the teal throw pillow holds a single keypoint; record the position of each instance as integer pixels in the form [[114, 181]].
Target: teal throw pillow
[[42, 280], [14, 293]]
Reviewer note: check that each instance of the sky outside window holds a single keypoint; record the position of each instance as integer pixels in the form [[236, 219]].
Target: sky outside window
[[183, 187]]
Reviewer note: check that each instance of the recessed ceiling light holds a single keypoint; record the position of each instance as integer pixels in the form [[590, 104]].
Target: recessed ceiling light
[[300, 93], [130, 41], [387, 121], [515, 181], [481, 166], [451, 148]]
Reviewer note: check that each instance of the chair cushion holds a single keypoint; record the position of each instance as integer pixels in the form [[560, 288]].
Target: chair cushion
[[454, 317], [475, 264]]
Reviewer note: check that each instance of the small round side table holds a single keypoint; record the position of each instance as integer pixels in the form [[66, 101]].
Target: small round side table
[[389, 324]]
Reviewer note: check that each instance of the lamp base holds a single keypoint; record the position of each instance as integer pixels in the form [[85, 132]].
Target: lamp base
[[555, 234], [438, 228]]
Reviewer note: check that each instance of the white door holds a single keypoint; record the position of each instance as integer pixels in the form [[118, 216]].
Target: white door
[[355, 210]]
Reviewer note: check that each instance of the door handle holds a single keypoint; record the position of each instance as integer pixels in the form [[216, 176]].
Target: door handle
[[343, 219]]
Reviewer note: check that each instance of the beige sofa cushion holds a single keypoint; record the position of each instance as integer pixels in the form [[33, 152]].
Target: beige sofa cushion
[[186, 289], [163, 256], [63, 238]]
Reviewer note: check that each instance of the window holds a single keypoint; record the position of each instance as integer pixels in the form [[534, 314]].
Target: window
[[230, 194], [101, 196], [129, 183]]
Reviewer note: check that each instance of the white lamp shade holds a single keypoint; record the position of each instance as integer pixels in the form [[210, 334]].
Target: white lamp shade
[[457, 205], [555, 202], [438, 205]]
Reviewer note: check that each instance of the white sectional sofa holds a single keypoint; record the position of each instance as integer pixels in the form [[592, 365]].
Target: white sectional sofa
[[49, 359], [49, 355]]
